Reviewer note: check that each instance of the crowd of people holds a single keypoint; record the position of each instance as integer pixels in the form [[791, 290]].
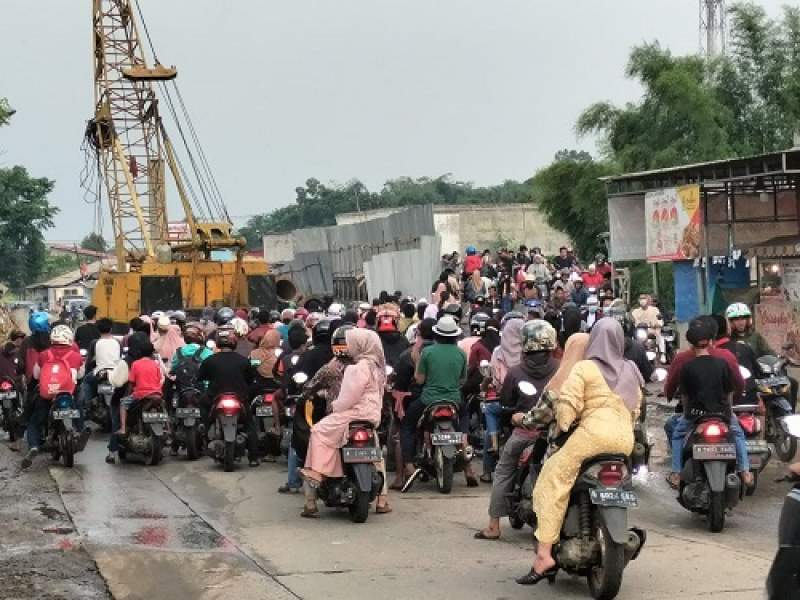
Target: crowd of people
[[552, 322]]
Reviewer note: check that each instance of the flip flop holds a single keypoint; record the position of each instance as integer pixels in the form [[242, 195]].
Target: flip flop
[[383, 510], [482, 536], [673, 484], [310, 514]]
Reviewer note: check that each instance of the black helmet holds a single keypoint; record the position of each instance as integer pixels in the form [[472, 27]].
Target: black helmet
[[193, 334], [619, 311], [226, 338], [274, 316], [224, 315], [477, 324], [479, 300], [323, 328], [454, 310], [339, 340]]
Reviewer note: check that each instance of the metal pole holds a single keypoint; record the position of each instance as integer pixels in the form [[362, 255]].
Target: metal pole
[[654, 267]]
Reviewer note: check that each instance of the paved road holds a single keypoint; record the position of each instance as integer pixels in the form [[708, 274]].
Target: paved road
[[189, 530]]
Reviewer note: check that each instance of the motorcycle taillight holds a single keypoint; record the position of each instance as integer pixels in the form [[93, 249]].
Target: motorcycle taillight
[[229, 404], [713, 432], [268, 398], [491, 394], [360, 437], [611, 474], [444, 412], [6, 386]]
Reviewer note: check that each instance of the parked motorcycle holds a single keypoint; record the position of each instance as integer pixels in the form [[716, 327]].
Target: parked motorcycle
[[362, 482], [226, 434], [188, 429], [595, 538], [11, 408], [440, 448], [99, 408], [146, 422], [709, 482], [773, 391]]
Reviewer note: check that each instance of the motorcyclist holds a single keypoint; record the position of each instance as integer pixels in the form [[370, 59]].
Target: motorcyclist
[[394, 343], [783, 581], [477, 323], [536, 367], [88, 332], [61, 351], [579, 293], [649, 314], [744, 354], [287, 316], [742, 330], [264, 319], [229, 372], [634, 350], [592, 278], [243, 346], [103, 355]]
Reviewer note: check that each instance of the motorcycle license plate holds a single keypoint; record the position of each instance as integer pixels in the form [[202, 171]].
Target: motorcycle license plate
[[775, 381], [8, 396], [152, 417], [446, 439], [105, 388], [66, 413], [757, 446], [714, 452], [263, 411], [187, 413], [621, 498], [360, 455]]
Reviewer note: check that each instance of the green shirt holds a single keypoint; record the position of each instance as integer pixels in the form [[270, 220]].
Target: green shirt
[[444, 367]]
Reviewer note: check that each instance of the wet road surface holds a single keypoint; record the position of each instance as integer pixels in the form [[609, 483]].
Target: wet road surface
[[188, 530]]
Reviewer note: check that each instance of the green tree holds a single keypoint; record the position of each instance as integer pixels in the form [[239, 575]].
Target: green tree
[[94, 241], [5, 112], [573, 198], [24, 215]]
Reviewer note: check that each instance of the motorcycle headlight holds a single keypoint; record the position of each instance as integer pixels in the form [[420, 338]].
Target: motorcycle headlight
[[641, 334], [669, 338]]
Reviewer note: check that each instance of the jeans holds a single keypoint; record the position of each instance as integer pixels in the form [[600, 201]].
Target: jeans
[[40, 410], [294, 480], [669, 426], [492, 412], [504, 474], [682, 428], [86, 391]]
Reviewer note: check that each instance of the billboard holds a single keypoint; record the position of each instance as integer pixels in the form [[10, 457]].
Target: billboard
[[178, 231], [673, 223]]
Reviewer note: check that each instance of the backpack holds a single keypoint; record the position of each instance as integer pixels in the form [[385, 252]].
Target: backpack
[[55, 378], [187, 369]]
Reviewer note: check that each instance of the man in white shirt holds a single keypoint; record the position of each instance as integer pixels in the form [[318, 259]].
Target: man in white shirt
[[103, 354]]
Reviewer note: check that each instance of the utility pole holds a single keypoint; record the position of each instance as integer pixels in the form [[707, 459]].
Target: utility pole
[[713, 27]]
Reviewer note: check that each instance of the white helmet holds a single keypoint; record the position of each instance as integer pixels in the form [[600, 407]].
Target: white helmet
[[239, 327], [737, 310], [157, 315], [163, 323], [335, 310], [62, 335]]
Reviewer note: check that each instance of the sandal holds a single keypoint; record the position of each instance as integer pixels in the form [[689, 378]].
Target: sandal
[[383, 510], [310, 513], [486, 478], [480, 535], [674, 480]]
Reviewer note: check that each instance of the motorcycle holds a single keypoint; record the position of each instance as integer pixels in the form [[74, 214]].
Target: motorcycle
[[188, 428], [11, 408], [64, 440], [362, 482], [99, 408], [146, 423], [267, 411], [226, 435], [642, 445], [595, 540], [773, 391], [440, 448], [709, 484], [648, 340], [757, 448], [669, 334]]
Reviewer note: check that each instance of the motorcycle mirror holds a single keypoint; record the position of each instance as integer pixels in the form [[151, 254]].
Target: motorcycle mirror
[[641, 334], [745, 372], [300, 378], [659, 375], [527, 388], [294, 360], [651, 355], [84, 353], [792, 425], [389, 370]]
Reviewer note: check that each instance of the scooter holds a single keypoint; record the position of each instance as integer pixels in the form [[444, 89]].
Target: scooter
[[773, 391], [226, 435], [64, 440], [99, 409], [188, 428], [146, 422], [362, 482]]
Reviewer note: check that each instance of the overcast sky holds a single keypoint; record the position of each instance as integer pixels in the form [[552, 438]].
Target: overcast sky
[[487, 90]]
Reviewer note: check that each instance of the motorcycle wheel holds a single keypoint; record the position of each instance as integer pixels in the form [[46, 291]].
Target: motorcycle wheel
[[359, 509], [444, 471], [605, 579], [749, 491], [716, 512], [785, 445], [192, 443], [10, 424], [516, 522], [154, 457], [65, 443], [227, 461]]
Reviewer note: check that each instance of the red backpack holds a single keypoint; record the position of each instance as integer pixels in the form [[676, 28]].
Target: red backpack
[[56, 377]]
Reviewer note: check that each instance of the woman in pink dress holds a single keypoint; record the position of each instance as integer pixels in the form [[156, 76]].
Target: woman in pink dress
[[360, 399]]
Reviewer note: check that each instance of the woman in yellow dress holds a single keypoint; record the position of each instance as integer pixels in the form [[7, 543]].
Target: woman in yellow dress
[[601, 397]]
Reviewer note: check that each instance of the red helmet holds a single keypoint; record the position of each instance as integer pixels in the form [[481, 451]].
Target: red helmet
[[301, 313], [387, 321]]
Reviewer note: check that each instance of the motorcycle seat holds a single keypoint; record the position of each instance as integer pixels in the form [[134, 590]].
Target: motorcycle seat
[[361, 425], [603, 458]]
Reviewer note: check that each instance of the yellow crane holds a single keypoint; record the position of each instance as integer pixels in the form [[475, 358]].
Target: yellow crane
[[159, 265]]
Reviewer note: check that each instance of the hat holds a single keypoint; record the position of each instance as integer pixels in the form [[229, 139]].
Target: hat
[[447, 327], [700, 330]]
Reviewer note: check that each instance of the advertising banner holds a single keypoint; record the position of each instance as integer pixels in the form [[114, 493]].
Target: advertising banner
[[673, 221]]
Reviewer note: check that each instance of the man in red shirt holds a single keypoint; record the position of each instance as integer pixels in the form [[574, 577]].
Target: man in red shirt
[[592, 278], [147, 378]]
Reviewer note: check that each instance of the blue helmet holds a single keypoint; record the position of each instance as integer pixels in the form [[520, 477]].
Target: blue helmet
[[471, 250], [39, 322]]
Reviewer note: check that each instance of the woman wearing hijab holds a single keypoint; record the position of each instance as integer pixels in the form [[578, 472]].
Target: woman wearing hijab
[[168, 342], [601, 395], [360, 399], [266, 358]]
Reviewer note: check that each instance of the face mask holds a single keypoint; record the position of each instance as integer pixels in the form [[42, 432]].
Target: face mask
[[643, 303]]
